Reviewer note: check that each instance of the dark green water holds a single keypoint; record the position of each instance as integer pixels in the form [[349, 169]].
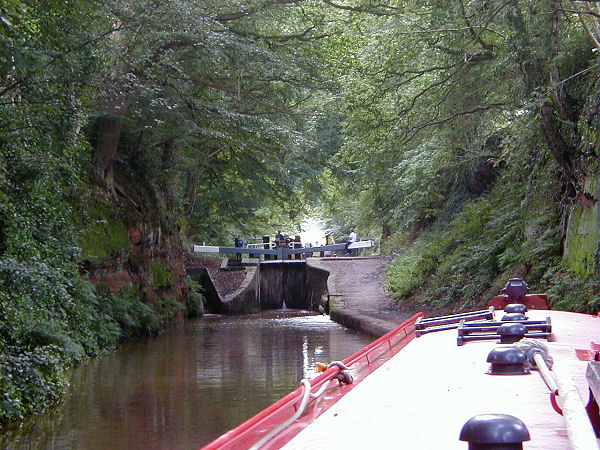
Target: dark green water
[[183, 389]]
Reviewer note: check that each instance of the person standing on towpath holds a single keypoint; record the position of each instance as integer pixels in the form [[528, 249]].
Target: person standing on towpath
[[351, 240]]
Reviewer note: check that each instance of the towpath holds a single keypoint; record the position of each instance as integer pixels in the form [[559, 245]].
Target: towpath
[[357, 298]]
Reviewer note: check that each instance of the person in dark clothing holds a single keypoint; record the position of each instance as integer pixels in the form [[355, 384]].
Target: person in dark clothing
[[239, 242], [280, 239]]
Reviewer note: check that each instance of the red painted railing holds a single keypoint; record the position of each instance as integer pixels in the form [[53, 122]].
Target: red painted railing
[[362, 364]]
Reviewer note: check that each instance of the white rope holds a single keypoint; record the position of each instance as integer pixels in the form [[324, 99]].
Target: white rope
[[579, 429], [306, 396], [545, 372]]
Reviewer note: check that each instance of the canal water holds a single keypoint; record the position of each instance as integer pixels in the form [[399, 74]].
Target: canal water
[[185, 388]]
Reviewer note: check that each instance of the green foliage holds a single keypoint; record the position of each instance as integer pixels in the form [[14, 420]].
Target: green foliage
[[461, 151], [52, 333], [39, 339], [170, 307], [30, 381], [195, 300], [413, 268], [124, 308], [432, 124], [103, 235], [49, 322], [566, 290], [511, 231], [161, 277], [210, 136]]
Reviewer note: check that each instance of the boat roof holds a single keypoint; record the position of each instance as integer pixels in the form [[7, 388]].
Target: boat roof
[[422, 397]]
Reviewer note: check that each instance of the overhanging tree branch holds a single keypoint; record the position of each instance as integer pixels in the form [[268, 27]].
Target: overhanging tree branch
[[474, 34], [83, 44], [236, 15], [303, 36], [378, 9], [432, 123]]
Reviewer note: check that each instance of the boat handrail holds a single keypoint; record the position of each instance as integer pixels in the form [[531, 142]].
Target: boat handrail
[[255, 424]]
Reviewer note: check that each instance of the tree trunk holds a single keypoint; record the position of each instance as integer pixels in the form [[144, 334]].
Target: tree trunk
[[192, 178], [112, 105], [560, 148], [107, 144], [386, 231], [560, 92], [522, 47], [557, 139]]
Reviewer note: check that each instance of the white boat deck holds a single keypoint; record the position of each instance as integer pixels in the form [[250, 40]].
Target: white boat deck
[[421, 398]]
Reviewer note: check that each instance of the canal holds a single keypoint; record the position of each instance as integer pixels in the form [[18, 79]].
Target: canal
[[182, 389]]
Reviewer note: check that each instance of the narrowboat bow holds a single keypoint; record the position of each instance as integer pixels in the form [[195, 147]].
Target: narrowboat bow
[[508, 377]]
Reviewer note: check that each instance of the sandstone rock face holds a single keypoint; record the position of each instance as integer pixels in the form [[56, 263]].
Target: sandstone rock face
[[152, 264]]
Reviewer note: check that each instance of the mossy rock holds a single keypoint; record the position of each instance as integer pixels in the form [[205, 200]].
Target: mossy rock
[[581, 243], [104, 236]]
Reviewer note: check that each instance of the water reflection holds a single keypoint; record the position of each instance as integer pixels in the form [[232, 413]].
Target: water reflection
[[183, 389]]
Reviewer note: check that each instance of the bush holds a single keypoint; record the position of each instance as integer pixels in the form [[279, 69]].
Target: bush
[[195, 299], [511, 231], [568, 291], [50, 321], [161, 277], [30, 381], [134, 318], [169, 308], [411, 270]]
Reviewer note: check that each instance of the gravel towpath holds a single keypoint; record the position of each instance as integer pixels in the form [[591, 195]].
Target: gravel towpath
[[357, 297]]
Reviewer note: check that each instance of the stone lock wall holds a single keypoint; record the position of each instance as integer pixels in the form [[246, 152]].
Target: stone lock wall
[[269, 286]]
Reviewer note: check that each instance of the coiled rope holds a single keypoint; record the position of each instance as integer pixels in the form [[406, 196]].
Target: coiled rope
[[343, 377]]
